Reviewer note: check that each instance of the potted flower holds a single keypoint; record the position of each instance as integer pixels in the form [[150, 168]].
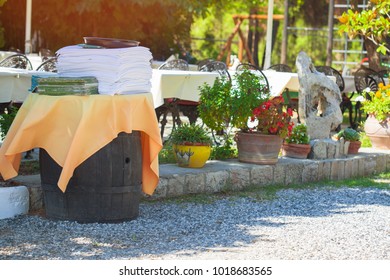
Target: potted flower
[[246, 104], [353, 137], [296, 145], [377, 125], [267, 128], [191, 145]]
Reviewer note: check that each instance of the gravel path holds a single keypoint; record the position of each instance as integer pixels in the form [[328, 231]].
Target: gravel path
[[326, 223]]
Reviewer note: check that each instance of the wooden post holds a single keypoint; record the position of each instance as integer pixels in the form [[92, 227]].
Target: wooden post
[[283, 55], [330, 34]]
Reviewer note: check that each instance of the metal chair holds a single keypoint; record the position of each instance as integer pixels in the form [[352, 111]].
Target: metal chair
[[175, 64], [49, 65], [18, 60], [281, 68], [204, 62], [366, 79], [256, 70], [170, 104], [216, 66], [329, 71]]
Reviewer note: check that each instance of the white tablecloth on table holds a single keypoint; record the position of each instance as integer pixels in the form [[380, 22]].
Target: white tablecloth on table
[[15, 83], [179, 84]]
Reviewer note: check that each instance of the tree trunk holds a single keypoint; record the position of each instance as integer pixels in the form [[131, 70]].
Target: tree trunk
[[373, 55]]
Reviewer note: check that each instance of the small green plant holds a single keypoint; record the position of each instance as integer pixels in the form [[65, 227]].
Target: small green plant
[[223, 152], [226, 104], [166, 154], [190, 134], [248, 93], [349, 134], [214, 104], [366, 142], [6, 120], [298, 135]]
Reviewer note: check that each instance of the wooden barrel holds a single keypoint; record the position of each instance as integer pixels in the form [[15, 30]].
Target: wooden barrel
[[104, 188]]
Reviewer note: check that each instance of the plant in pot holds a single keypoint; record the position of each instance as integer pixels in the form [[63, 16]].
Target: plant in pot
[[191, 145], [246, 104], [353, 137], [377, 124], [296, 145]]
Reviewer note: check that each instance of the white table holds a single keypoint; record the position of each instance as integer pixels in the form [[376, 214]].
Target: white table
[[279, 81], [185, 84], [179, 84], [15, 83]]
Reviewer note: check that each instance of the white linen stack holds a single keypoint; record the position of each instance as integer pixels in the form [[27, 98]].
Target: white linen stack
[[118, 71]]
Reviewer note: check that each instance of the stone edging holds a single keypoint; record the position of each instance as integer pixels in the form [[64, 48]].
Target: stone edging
[[220, 175]]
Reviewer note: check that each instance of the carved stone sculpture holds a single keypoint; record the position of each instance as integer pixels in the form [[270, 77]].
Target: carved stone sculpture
[[319, 99]]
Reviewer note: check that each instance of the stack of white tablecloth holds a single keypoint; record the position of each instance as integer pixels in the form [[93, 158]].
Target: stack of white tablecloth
[[118, 71]]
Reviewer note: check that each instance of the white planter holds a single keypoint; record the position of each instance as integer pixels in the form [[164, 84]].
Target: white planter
[[13, 201]]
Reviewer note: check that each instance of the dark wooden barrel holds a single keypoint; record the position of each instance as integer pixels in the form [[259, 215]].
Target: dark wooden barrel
[[104, 188]]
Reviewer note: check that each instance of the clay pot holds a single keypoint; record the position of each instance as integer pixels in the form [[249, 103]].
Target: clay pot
[[354, 147], [296, 150], [258, 148], [378, 132], [191, 156]]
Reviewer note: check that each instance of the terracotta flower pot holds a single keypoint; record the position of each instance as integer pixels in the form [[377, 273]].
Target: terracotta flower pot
[[258, 148], [378, 132], [296, 150], [354, 147]]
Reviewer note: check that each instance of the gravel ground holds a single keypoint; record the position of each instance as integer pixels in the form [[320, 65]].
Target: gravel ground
[[319, 224]]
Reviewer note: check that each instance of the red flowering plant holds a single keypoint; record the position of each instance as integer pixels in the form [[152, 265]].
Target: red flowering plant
[[270, 118]]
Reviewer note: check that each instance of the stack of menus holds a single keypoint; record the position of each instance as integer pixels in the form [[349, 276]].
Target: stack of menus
[[67, 85]]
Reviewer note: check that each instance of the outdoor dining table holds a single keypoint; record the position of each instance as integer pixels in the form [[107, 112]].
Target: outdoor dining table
[[16, 83], [179, 84], [72, 128], [184, 85]]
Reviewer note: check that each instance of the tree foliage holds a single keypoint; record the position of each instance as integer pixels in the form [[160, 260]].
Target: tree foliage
[[373, 24], [163, 26]]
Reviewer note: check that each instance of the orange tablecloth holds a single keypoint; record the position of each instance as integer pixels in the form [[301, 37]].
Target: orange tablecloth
[[72, 128]]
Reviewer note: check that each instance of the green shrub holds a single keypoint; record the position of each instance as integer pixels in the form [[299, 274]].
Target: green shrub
[[6, 120]]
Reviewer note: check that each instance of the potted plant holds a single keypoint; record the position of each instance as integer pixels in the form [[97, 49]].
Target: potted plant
[[296, 145], [246, 104], [353, 137], [191, 145], [214, 106], [377, 125]]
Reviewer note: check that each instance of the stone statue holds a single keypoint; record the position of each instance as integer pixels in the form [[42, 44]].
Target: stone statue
[[319, 99]]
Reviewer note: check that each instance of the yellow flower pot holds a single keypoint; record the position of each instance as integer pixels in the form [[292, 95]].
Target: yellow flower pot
[[191, 156]]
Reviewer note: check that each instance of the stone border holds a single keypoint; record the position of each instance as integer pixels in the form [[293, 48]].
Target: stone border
[[217, 176]]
